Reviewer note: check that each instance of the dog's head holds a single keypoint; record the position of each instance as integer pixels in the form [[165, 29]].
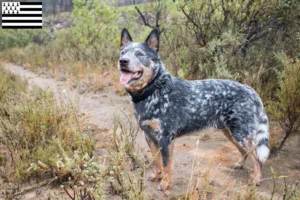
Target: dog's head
[[139, 62]]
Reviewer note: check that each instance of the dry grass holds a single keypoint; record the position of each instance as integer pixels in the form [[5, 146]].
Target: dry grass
[[37, 131], [120, 170], [82, 75], [43, 138], [207, 182]]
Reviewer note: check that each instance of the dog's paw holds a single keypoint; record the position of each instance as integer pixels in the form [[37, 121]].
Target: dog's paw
[[163, 186], [154, 177], [256, 181], [236, 166]]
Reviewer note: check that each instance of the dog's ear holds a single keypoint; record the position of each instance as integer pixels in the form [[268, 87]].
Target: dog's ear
[[125, 37], [153, 39]]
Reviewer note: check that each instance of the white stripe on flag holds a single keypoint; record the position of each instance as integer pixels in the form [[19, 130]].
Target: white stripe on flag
[[22, 24], [31, 6], [22, 18], [30, 12]]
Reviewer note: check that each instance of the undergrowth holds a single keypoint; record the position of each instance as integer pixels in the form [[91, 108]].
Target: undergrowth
[[40, 135], [286, 110], [44, 139], [119, 172]]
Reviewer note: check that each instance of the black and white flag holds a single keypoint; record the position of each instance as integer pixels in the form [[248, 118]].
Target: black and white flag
[[22, 15]]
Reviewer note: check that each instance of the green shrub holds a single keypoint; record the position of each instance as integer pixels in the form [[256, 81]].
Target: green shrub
[[235, 40], [93, 39], [22, 37], [287, 109]]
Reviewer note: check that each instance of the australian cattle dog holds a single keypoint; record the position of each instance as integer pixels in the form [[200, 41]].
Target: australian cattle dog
[[167, 107]]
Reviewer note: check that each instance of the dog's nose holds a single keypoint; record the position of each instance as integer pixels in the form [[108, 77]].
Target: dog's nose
[[124, 62]]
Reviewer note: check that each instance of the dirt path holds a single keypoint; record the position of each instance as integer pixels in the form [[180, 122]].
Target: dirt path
[[99, 108], [212, 156]]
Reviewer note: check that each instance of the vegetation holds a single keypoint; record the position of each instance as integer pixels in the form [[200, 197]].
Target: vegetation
[[113, 171], [287, 110], [21, 38], [38, 132], [251, 41], [236, 40], [45, 139]]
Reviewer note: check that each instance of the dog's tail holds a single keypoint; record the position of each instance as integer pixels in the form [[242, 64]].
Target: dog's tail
[[262, 141]]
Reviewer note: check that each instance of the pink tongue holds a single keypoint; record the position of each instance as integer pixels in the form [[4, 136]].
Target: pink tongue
[[125, 77]]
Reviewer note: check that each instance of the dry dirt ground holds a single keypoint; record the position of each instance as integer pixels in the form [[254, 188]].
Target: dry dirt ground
[[213, 154]]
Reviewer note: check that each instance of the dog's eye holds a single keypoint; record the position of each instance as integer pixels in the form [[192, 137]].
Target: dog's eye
[[140, 54], [122, 52]]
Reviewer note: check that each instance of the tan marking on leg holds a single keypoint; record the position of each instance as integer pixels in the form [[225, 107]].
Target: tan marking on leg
[[167, 171], [155, 151], [257, 168], [153, 124], [242, 159], [256, 164]]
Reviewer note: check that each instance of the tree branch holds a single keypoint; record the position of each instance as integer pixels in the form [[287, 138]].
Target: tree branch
[[143, 18], [189, 18]]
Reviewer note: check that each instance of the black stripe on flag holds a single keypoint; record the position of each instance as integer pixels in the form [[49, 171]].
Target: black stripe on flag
[[22, 15], [30, 3], [30, 9], [22, 27], [22, 21]]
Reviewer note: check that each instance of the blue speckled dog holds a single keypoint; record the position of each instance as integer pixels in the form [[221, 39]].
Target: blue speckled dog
[[167, 107]]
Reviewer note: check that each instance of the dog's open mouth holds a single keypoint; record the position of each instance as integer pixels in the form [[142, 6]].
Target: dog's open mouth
[[127, 76]]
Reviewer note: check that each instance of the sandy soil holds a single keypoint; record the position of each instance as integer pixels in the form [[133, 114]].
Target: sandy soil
[[213, 154]]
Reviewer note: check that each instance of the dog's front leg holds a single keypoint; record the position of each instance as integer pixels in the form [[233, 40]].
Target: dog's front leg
[[167, 156], [154, 148]]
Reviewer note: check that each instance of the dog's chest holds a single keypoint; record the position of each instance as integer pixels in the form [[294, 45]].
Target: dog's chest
[[151, 114]]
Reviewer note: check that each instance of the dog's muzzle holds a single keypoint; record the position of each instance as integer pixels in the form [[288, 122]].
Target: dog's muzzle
[[124, 63]]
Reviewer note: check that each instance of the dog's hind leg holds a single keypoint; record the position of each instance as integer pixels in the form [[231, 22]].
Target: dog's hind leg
[[242, 159], [167, 157], [248, 148], [257, 169]]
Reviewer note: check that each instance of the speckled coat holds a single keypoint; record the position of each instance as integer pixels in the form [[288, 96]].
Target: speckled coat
[[167, 107], [180, 107]]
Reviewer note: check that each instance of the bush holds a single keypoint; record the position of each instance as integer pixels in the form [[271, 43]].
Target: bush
[[235, 40], [235, 33], [37, 130], [121, 170], [22, 37], [93, 40], [287, 109]]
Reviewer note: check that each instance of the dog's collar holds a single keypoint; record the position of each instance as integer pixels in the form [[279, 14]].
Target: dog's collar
[[161, 83]]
